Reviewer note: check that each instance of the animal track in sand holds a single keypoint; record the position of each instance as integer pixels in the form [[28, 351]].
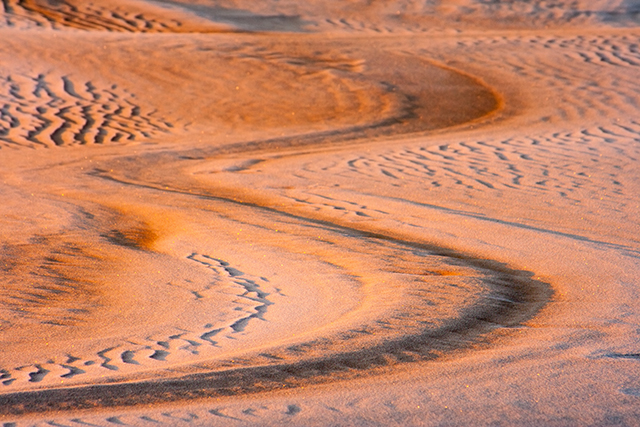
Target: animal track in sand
[[173, 417], [185, 344], [443, 300], [439, 308], [252, 292], [45, 111]]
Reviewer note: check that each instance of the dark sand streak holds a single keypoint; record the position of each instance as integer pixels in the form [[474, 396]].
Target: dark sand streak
[[515, 297]]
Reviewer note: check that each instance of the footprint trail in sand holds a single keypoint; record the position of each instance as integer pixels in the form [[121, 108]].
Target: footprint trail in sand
[[371, 214]]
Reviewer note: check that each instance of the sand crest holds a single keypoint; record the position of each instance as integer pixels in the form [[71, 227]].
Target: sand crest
[[346, 213]]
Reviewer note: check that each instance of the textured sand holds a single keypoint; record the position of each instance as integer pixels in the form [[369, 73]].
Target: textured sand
[[319, 213]]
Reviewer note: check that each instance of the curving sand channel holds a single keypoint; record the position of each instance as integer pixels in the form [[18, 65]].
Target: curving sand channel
[[318, 214]]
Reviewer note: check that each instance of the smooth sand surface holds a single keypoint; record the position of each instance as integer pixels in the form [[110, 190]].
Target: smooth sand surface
[[319, 213]]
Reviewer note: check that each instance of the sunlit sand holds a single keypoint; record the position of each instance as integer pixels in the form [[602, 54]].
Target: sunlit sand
[[319, 213]]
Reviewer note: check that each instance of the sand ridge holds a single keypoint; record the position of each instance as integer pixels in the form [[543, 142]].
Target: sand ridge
[[421, 208]]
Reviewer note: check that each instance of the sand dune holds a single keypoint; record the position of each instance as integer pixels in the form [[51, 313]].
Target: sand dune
[[335, 213]]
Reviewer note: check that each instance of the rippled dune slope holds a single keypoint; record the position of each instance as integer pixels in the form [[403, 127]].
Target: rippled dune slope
[[319, 213]]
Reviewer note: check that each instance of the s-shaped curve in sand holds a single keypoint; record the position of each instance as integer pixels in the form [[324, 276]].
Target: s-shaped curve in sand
[[192, 253]]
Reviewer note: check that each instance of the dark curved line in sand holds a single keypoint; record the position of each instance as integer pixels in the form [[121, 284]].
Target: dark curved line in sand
[[432, 97], [514, 298], [410, 120], [426, 346]]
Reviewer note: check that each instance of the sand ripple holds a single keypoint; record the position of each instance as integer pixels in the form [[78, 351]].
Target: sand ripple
[[209, 210]]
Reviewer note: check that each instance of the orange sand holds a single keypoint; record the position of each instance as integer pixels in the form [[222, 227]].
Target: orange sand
[[319, 213]]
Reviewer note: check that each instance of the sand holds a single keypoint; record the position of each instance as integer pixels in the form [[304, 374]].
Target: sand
[[319, 213]]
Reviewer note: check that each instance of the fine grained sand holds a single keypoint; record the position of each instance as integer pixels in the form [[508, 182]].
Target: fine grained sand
[[319, 213]]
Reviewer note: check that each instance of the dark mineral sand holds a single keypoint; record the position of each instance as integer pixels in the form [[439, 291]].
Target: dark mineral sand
[[331, 213]]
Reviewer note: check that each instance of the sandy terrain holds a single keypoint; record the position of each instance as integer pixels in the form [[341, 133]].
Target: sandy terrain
[[319, 213]]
